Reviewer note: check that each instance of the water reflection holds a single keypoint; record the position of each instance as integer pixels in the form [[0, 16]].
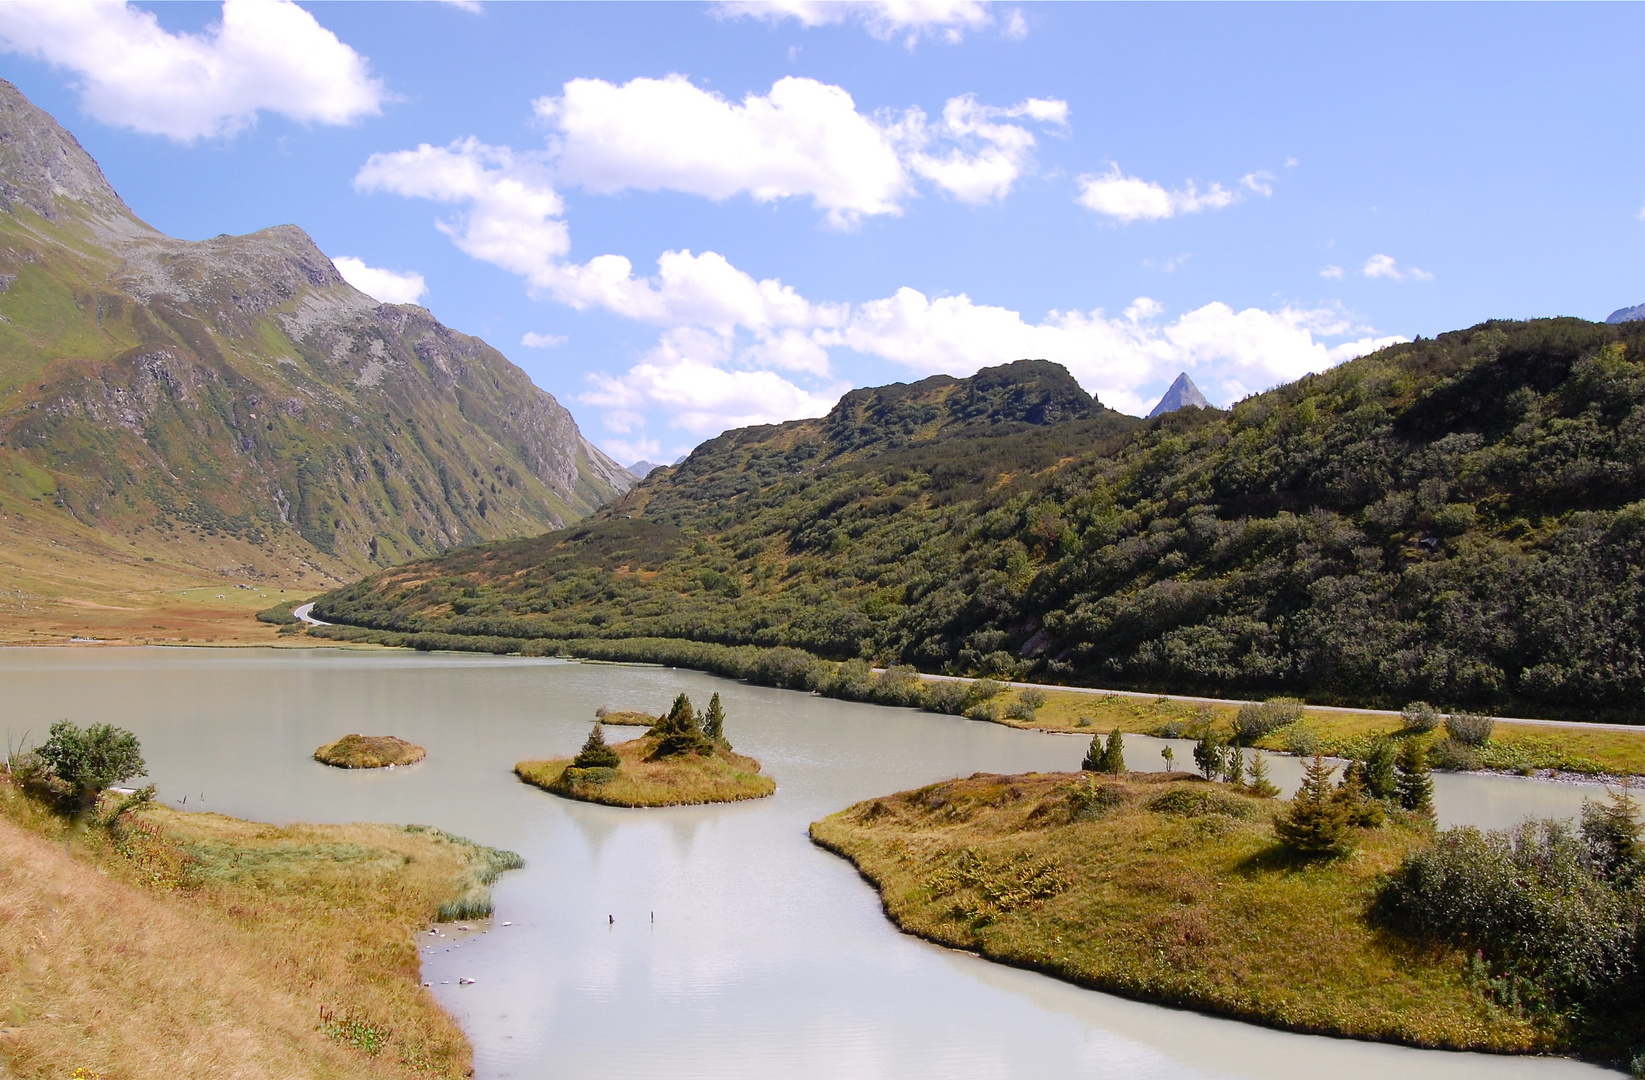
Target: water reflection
[[695, 941]]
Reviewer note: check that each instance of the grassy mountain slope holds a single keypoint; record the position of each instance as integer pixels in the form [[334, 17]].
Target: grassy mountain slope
[[1458, 519], [232, 407]]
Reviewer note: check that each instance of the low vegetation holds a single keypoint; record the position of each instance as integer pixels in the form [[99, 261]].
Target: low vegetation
[[369, 752], [146, 943], [683, 758], [624, 718]]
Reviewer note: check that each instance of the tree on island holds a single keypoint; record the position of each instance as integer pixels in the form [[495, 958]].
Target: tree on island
[[1316, 822], [1210, 754], [1105, 758], [713, 723], [1413, 781], [680, 731], [91, 760], [595, 754]]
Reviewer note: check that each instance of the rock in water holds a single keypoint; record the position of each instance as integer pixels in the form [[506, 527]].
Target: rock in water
[[1183, 393], [1627, 314]]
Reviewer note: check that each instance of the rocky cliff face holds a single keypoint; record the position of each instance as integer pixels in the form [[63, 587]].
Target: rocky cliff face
[[237, 401]]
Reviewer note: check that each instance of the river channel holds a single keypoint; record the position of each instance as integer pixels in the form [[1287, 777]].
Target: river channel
[[694, 942]]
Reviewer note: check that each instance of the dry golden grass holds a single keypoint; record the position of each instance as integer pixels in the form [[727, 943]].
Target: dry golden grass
[[627, 718], [678, 780], [369, 752], [1202, 910], [196, 945]]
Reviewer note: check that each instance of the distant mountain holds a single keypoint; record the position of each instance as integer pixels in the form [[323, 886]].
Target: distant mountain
[[1181, 394], [233, 405], [643, 469], [1627, 314]]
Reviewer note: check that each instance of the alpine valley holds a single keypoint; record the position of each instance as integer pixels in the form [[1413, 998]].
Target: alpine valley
[[176, 412]]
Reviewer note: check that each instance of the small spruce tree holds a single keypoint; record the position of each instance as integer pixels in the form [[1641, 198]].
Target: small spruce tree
[[714, 723], [1259, 784], [1614, 835], [1362, 811], [679, 732], [1315, 823], [1113, 754], [1093, 755], [595, 754], [1209, 754], [1414, 781], [1234, 769], [1381, 771]]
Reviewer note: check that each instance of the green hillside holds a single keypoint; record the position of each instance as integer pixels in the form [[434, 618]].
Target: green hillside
[[232, 406], [1457, 519]]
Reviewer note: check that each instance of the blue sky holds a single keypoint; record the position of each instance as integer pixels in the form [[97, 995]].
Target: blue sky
[[710, 215]]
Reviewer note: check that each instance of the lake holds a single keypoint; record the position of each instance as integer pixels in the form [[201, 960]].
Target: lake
[[692, 941]]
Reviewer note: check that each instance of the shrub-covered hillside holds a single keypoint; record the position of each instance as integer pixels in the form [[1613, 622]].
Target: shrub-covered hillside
[[1458, 519]]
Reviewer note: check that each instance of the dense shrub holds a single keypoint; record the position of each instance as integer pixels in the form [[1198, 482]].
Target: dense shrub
[[1255, 720], [1470, 729], [1550, 915], [1449, 755], [1420, 717], [87, 761]]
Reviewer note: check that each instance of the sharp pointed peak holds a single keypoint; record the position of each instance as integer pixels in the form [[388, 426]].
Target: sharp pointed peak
[[1182, 393]]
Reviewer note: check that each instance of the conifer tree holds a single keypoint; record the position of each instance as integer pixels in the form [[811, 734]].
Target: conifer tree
[[714, 723], [1209, 753], [1259, 784], [1362, 811], [1415, 782], [679, 732], [1113, 754], [595, 754], [1315, 823], [1093, 755], [1381, 771], [1234, 770]]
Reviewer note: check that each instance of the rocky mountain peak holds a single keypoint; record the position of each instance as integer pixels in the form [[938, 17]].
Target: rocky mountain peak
[[1182, 393], [1627, 314], [41, 164]]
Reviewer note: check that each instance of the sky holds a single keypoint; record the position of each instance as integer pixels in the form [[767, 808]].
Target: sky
[[686, 217]]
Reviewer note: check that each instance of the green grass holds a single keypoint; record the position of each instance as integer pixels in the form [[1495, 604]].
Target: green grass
[[678, 780], [1165, 888], [369, 752]]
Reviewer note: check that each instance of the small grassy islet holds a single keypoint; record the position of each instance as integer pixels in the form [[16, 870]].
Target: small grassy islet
[[683, 759], [369, 752]]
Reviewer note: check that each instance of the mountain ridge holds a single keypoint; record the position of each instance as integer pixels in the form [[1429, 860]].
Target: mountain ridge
[[234, 407]]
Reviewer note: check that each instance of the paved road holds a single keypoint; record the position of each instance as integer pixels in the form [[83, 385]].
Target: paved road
[[302, 613]]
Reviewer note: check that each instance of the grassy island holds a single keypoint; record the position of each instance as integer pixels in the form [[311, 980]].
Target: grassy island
[[626, 718], [1169, 888], [142, 942], [683, 759], [369, 752]]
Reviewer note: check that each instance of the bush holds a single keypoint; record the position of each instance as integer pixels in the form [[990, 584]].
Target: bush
[[1302, 741], [1254, 720], [1531, 901], [1198, 800], [1316, 822], [90, 760], [1380, 772], [1027, 705], [1452, 756], [1471, 729], [1420, 717], [595, 754]]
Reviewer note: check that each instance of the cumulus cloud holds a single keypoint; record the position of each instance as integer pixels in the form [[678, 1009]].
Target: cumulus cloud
[[803, 139], [386, 286], [1128, 198], [1384, 266], [265, 55], [512, 215], [886, 20], [534, 340]]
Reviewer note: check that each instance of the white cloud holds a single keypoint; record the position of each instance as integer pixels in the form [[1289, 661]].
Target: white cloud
[[265, 55], [803, 139], [1384, 266], [534, 340], [1128, 198], [987, 156], [385, 286], [884, 19], [1261, 182], [512, 220], [1332, 271]]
